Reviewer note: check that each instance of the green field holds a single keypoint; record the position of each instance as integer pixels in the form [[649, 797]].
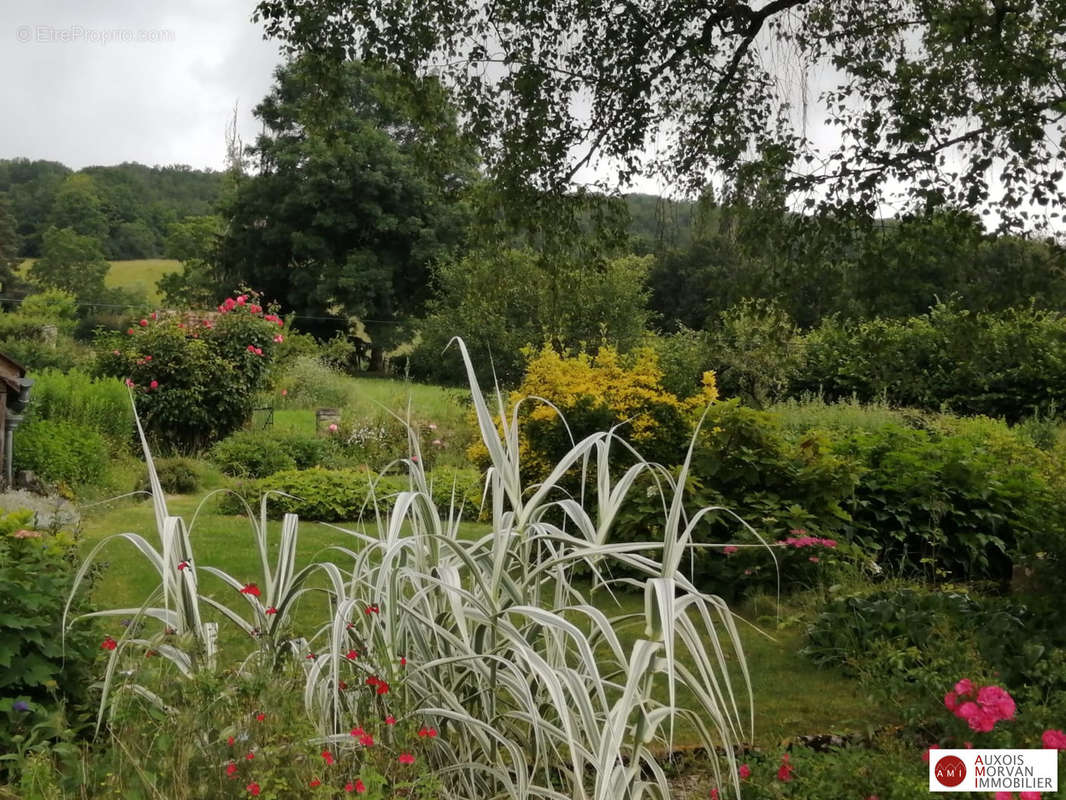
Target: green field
[[139, 275]]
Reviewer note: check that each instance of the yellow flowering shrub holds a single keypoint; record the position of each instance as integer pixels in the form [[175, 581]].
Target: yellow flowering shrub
[[596, 392]]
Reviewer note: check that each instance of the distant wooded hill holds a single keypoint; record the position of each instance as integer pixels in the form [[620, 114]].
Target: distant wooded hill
[[127, 207]]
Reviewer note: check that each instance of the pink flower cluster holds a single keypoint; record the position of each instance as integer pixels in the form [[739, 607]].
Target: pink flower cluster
[[989, 705], [808, 541]]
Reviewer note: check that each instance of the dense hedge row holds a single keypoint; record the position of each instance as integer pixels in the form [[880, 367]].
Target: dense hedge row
[[1009, 364], [335, 495], [909, 494]]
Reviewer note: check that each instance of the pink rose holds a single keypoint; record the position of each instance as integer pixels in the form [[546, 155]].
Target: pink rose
[[730, 549], [1054, 740]]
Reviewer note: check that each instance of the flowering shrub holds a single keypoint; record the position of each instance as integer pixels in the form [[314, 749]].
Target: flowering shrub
[[195, 380], [596, 393]]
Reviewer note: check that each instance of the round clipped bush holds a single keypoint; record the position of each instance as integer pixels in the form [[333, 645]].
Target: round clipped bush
[[251, 454], [176, 476], [60, 452]]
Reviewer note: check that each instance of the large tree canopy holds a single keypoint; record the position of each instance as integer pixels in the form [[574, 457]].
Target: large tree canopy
[[358, 192], [958, 101]]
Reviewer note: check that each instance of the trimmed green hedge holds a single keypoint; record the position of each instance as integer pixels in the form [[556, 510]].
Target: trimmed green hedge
[[334, 495]]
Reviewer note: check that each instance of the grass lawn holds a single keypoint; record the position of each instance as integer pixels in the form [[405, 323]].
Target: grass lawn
[[792, 695]]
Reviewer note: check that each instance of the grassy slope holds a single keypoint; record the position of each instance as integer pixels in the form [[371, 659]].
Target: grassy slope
[[137, 275], [140, 274]]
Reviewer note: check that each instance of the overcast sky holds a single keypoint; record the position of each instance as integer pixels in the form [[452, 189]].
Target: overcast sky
[[105, 81]]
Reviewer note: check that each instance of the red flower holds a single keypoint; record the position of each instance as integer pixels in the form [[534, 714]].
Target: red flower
[[252, 589], [229, 741], [349, 787], [310, 656], [272, 610], [182, 565], [391, 720], [147, 358], [357, 732], [351, 655], [129, 331], [430, 732], [251, 348], [314, 783], [253, 788], [144, 323], [231, 769], [153, 315], [373, 680], [250, 755], [360, 787], [366, 740], [108, 644], [153, 385], [260, 717], [403, 661], [784, 772], [328, 756], [371, 610], [383, 688], [714, 794], [1054, 740], [744, 772], [342, 685], [406, 758]]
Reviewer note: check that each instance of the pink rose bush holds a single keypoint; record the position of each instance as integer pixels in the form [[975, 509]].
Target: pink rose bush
[[986, 706]]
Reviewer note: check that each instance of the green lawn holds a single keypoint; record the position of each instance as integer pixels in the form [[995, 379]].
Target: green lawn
[[792, 695]]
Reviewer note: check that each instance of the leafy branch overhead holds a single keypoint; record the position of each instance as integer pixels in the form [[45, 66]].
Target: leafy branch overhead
[[959, 101]]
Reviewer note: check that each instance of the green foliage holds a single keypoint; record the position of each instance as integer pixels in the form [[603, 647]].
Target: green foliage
[[71, 262], [48, 676], [195, 381], [55, 305], [881, 768], [756, 352], [76, 397], [501, 301], [914, 644], [566, 103], [61, 452], [385, 156], [194, 243], [336, 495], [684, 357], [309, 383], [1005, 364], [176, 476], [256, 454]]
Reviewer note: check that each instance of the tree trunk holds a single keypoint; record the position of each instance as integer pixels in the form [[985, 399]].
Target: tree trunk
[[377, 360]]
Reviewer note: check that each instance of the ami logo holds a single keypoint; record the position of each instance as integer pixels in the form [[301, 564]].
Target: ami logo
[[950, 771]]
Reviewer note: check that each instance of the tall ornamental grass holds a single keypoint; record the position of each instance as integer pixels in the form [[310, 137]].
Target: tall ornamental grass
[[490, 640]]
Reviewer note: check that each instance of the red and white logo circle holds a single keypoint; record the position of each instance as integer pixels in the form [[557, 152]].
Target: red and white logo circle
[[950, 771]]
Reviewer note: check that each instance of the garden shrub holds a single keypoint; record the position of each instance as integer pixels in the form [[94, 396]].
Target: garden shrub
[[176, 476], [1002, 364], [195, 380], [46, 694], [910, 643], [251, 454], [784, 488], [333, 495], [756, 351], [598, 392], [309, 383], [60, 452], [79, 398], [949, 502]]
